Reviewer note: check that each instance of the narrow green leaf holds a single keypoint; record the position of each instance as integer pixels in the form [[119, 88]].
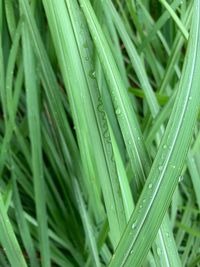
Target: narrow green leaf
[[8, 239], [36, 148], [169, 161]]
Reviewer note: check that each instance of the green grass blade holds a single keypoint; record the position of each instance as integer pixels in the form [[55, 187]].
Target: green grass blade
[[8, 239], [87, 225], [23, 227], [125, 114], [135, 60], [88, 97], [36, 148], [176, 19], [168, 163]]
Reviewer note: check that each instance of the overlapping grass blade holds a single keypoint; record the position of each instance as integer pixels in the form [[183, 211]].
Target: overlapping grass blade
[[85, 55], [8, 239], [125, 114], [176, 19], [36, 145], [87, 97], [168, 162], [23, 226], [87, 226]]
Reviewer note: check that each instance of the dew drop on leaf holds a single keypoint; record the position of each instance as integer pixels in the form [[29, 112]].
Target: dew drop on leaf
[[118, 111], [167, 234], [180, 179], [160, 168], [133, 225], [92, 74], [159, 252]]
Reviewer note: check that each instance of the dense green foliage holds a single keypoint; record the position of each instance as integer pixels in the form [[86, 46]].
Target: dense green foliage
[[99, 129]]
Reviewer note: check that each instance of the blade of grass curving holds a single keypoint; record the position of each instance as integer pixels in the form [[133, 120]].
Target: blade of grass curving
[[154, 107], [169, 161], [165, 229]]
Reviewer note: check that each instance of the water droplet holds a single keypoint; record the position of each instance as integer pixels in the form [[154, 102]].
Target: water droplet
[[167, 234], [131, 252], [140, 206], [92, 74], [164, 146], [160, 168], [129, 142], [190, 98], [118, 111], [173, 166], [180, 179], [138, 138], [150, 185], [159, 252], [133, 225]]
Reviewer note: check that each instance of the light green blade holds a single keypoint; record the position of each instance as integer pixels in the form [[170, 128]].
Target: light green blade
[[169, 161]]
